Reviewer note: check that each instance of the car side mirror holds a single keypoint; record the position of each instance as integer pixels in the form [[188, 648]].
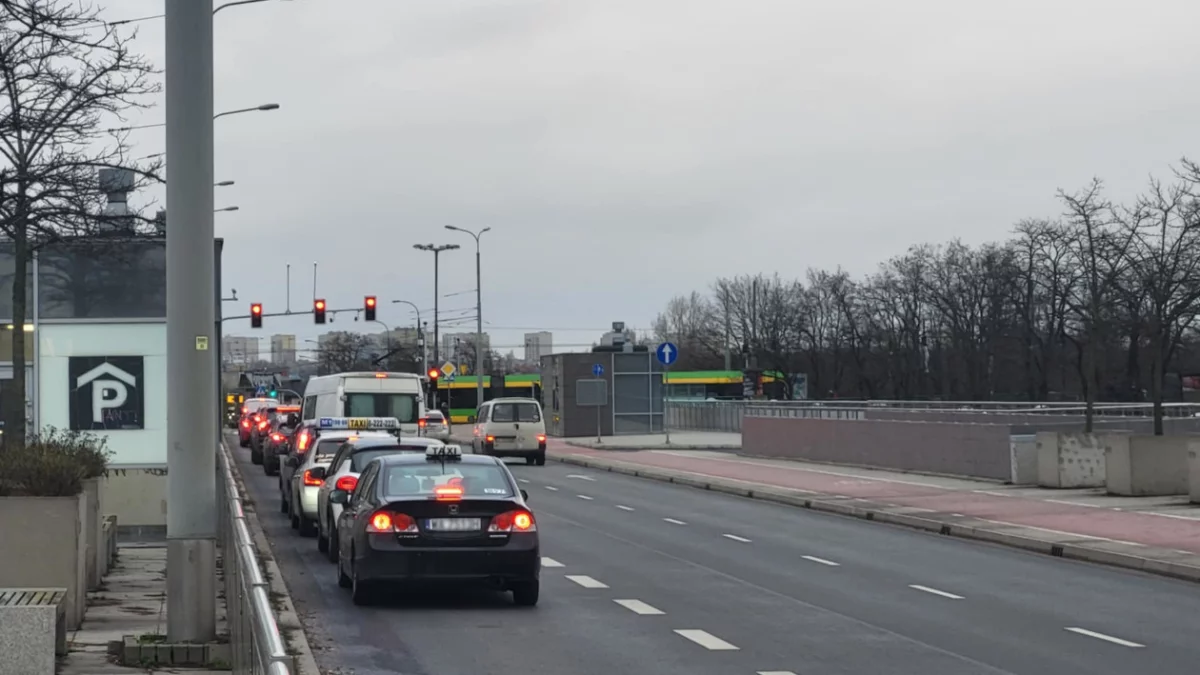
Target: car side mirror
[[339, 497], [317, 472], [524, 495]]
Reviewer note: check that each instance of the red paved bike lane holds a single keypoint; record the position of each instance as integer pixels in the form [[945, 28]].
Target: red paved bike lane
[[1131, 527]]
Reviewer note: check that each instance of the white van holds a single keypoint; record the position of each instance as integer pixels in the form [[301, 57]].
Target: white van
[[511, 427], [369, 394]]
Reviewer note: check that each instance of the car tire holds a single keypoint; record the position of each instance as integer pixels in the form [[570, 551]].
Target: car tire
[[360, 591], [334, 547], [270, 469], [283, 506], [307, 527], [245, 443], [343, 580], [293, 517], [255, 456], [322, 542], [530, 460], [525, 593], [540, 459]]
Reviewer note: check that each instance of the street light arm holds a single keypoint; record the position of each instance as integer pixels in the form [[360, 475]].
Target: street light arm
[[235, 4]]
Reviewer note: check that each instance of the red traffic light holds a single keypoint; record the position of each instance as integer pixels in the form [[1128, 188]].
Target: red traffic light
[[256, 308], [319, 304], [434, 373], [370, 301]]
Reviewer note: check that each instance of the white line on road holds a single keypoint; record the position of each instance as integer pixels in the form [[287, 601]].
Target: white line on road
[[624, 508], [935, 591], [552, 488], [550, 562], [580, 477], [674, 522], [736, 538], [706, 640], [523, 480], [820, 561], [584, 497], [639, 607], [1106, 638], [586, 581], [775, 672]]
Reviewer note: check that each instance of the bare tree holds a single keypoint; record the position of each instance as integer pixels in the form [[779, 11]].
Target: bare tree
[[692, 324], [345, 352], [64, 76]]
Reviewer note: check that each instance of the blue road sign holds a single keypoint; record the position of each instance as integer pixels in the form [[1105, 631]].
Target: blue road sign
[[667, 353], [260, 391], [597, 370]]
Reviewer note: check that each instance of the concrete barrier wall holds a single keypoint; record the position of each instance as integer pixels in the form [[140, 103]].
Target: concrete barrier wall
[[42, 545], [975, 450], [1024, 459], [1073, 459], [1149, 466]]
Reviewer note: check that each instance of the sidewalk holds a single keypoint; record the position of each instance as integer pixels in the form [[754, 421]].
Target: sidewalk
[[1154, 534], [133, 601]]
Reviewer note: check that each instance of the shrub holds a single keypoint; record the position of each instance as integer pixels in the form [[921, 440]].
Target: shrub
[[53, 464]]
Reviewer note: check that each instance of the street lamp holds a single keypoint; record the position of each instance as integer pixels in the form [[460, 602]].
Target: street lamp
[[478, 311], [227, 208], [437, 252], [224, 183], [263, 107], [122, 22], [420, 337]]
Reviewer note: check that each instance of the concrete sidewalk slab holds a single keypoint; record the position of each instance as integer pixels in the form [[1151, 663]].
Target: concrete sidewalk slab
[[1154, 539]]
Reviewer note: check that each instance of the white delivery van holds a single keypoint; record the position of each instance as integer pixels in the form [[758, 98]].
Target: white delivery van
[[368, 394], [511, 427]]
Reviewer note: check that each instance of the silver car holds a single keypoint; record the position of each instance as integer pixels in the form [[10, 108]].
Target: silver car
[[301, 498], [435, 425]]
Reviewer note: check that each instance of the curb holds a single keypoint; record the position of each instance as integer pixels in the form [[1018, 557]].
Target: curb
[[673, 446], [286, 617], [887, 514]]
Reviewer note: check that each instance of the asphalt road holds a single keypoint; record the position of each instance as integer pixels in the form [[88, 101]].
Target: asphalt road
[[646, 577]]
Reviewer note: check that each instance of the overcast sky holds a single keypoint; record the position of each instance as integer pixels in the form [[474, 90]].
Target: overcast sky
[[625, 151]]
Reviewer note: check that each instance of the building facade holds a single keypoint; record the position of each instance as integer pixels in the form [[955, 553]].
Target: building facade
[[283, 349], [537, 345], [240, 351]]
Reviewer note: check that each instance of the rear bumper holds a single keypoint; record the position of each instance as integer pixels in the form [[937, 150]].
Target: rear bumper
[[476, 564], [490, 448]]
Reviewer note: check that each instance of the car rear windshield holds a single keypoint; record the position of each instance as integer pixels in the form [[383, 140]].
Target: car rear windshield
[[328, 448], [403, 407], [434, 415], [476, 480], [254, 405], [516, 412], [362, 458]]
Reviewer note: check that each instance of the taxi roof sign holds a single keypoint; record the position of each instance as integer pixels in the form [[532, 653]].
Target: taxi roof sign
[[443, 452], [358, 423]]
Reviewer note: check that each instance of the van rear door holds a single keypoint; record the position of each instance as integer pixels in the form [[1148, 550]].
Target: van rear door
[[515, 425]]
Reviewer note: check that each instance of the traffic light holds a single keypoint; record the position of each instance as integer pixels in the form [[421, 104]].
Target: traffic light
[[433, 374], [256, 315], [369, 307], [319, 311], [274, 394]]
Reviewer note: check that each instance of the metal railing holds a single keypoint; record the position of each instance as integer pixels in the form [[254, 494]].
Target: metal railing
[[256, 645], [727, 415]]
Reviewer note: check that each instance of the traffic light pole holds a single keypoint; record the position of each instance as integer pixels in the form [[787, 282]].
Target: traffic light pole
[[192, 520]]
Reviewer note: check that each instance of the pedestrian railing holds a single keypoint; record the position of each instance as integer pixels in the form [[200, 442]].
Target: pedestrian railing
[[256, 644]]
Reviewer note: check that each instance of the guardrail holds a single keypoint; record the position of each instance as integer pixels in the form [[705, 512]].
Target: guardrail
[[256, 644], [727, 415]]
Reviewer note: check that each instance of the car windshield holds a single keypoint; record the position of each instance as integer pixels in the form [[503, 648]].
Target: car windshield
[[403, 407], [254, 405], [516, 412], [476, 480], [327, 448], [362, 458]]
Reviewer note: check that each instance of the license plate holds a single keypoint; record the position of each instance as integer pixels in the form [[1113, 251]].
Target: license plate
[[453, 524]]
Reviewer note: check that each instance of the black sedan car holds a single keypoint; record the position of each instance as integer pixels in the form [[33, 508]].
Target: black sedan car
[[437, 517]]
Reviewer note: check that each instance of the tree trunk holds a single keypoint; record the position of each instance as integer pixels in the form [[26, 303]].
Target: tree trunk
[[1157, 366], [14, 413]]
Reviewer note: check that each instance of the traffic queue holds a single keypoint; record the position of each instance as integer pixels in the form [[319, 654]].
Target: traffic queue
[[392, 503]]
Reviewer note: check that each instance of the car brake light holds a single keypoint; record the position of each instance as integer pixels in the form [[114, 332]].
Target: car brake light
[[541, 438], [421, 423], [383, 522], [491, 439], [278, 438], [513, 521], [246, 423], [302, 442], [310, 481], [263, 425], [448, 492], [346, 483]]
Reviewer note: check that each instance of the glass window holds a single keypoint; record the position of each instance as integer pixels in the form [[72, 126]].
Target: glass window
[[516, 412], [327, 449], [6, 342], [360, 459], [116, 278], [403, 407], [475, 480], [310, 407], [631, 393]]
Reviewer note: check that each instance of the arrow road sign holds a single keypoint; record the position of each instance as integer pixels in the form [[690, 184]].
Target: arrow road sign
[[667, 353], [597, 370]]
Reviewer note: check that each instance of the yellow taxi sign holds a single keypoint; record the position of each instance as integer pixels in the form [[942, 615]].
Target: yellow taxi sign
[[358, 423]]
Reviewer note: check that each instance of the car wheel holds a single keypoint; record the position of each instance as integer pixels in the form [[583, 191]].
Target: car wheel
[[530, 460], [322, 542], [334, 546], [255, 457], [307, 527], [525, 593], [270, 468], [283, 506], [244, 444], [294, 518], [360, 591], [343, 580], [541, 459]]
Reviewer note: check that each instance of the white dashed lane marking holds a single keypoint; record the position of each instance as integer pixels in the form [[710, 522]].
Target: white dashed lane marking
[[819, 561], [584, 497], [1106, 638], [580, 477], [706, 640], [674, 522], [550, 562], [552, 488], [736, 538], [775, 672], [523, 480], [639, 607], [624, 508], [935, 591], [586, 581]]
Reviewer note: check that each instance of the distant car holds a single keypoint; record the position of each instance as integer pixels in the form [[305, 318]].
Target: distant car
[[511, 427], [342, 473], [249, 418], [276, 441], [438, 517], [435, 425]]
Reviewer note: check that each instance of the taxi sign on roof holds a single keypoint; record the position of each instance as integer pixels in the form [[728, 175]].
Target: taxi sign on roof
[[443, 452], [358, 423]]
